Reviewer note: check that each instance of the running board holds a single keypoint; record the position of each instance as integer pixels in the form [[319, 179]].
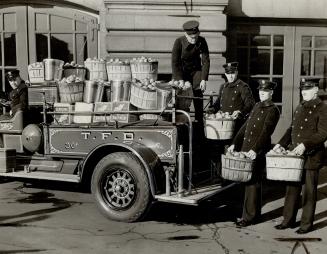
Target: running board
[[196, 195], [44, 176]]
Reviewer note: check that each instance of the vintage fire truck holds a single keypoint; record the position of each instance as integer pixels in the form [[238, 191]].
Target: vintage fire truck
[[127, 166]]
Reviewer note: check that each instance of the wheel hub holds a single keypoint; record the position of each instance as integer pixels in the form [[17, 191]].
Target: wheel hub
[[120, 189]]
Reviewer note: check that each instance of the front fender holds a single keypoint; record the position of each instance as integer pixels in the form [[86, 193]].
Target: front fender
[[147, 157]]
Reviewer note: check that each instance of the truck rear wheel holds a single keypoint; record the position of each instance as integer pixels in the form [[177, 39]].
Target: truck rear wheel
[[121, 187]]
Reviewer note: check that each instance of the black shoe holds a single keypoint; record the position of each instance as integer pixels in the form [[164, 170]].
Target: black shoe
[[284, 226], [243, 223], [301, 231]]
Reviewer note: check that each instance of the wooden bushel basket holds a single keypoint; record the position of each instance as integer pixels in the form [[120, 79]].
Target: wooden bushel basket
[[219, 128], [119, 71], [143, 98], [142, 70], [284, 167], [36, 73], [236, 169], [96, 70], [71, 92]]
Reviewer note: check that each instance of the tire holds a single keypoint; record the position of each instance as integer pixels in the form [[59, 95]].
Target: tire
[[121, 187]]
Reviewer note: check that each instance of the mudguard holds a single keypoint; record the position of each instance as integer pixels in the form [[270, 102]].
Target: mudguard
[[147, 157]]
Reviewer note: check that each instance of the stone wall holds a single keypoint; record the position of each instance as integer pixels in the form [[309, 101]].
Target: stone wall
[[149, 28]]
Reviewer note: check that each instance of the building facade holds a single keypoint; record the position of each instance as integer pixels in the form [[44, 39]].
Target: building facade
[[279, 40]]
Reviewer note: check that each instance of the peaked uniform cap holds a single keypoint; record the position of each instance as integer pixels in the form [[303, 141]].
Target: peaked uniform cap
[[308, 83], [12, 74], [266, 84], [191, 27], [230, 67]]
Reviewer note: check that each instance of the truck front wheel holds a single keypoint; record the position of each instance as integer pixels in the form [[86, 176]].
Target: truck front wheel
[[121, 187]]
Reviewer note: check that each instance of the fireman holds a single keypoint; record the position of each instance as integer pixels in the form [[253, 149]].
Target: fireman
[[18, 97], [254, 138], [235, 97], [191, 62], [305, 136]]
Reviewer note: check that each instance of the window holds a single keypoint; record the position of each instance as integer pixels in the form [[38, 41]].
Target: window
[[60, 38], [261, 57], [313, 56]]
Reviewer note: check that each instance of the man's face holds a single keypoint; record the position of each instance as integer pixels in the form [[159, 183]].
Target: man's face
[[14, 82], [265, 95], [193, 37], [309, 94], [231, 77]]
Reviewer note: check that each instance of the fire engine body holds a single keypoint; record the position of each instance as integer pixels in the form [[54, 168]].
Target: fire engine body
[[127, 166]]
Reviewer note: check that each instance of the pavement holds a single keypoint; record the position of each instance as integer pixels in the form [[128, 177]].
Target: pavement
[[49, 217]]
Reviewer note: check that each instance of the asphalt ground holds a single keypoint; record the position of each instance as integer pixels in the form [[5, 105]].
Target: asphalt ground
[[53, 217]]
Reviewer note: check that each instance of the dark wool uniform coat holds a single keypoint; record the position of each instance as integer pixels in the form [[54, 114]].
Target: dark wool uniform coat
[[235, 96], [255, 135], [309, 126], [190, 62], [256, 132], [19, 98]]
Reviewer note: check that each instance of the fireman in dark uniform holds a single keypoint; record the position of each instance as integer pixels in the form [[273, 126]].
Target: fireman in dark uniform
[[191, 62], [254, 138], [18, 97], [235, 96], [305, 136]]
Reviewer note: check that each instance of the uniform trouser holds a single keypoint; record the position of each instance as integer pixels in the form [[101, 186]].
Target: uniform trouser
[[252, 201], [253, 191], [309, 198], [198, 108]]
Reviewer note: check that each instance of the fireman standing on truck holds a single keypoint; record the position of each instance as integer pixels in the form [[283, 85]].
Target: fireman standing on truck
[[305, 136], [191, 62], [254, 138]]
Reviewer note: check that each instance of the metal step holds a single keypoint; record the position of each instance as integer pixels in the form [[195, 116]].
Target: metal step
[[43, 176], [195, 196]]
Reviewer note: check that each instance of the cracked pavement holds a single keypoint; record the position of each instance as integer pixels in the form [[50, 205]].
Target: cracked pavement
[[47, 217]]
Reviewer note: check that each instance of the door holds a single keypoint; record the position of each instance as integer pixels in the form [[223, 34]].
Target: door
[[30, 33], [266, 52], [13, 42]]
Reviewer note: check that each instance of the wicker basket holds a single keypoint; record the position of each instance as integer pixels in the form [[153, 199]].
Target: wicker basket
[[119, 71], [142, 70], [79, 72], [36, 72], [143, 98], [96, 70], [236, 169], [284, 167], [71, 92], [219, 128]]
